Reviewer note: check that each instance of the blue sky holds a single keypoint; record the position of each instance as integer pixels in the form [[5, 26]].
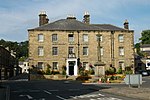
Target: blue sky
[[17, 16]]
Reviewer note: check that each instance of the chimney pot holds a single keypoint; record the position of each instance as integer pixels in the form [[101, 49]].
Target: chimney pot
[[126, 24]]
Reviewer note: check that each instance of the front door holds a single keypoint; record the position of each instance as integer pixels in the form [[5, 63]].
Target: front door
[[71, 67]]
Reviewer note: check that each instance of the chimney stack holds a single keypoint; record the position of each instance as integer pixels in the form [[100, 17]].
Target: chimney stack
[[43, 19], [126, 24], [86, 18]]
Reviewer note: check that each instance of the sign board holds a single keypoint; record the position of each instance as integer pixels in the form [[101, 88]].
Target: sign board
[[133, 79], [148, 64]]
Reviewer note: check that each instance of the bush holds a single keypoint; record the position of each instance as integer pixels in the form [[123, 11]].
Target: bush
[[40, 72], [48, 72], [110, 71], [83, 78], [55, 72], [119, 71]]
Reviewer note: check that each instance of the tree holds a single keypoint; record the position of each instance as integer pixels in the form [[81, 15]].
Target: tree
[[21, 48], [145, 39]]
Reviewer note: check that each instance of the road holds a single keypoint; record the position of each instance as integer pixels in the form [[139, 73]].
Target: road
[[57, 90]]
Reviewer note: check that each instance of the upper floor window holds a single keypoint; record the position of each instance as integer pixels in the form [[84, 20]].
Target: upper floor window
[[40, 37], [121, 38], [99, 37], [40, 51], [85, 37], [55, 51], [121, 51], [70, 38], [71, 50], [85, 50], [54, 37]]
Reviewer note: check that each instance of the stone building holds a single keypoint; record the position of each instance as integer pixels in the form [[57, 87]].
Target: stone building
[[65, 42], [8, 63]]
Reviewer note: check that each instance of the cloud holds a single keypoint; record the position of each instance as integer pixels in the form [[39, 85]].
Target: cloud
[[16, 16]]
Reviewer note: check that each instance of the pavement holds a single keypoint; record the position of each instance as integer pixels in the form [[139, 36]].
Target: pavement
[[141, 93], [3, 93]]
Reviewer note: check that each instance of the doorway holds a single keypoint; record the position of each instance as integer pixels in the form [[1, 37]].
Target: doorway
[[71, 67]]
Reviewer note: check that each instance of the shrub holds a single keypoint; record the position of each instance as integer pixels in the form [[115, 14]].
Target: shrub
[[83, 78], [40, 72], [55, 72], [119, 71]]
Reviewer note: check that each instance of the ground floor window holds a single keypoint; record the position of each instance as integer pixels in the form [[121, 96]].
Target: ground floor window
[[40, 65], [55, 65]]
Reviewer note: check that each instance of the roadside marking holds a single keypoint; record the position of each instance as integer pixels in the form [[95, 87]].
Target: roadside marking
[[28, 96], [101, 95], [60, 97], [47, 92]]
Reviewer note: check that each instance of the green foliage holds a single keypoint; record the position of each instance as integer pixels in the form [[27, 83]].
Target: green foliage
[[64, 70], [83, 78], [55, 72], [119, 71], [145, 39], [21, 48], [48, 72], [110, 71]]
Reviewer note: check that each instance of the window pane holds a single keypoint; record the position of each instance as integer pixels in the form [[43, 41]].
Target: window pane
[[54, 37], [85, 50], [85, 37], [71, 50], [55, 65], [40, 37], [99, 37], [40, 51], [121, 65], [70, 37], [121, 51], [55, 51], [121, 38], [40, 65]]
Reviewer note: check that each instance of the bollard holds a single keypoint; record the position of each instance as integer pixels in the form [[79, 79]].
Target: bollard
[[107, 80], [100, 80]]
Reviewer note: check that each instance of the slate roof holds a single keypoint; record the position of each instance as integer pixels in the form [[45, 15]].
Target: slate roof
[[75, 25]]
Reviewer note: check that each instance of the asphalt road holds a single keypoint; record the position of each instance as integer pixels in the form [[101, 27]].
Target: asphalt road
[[58, 90]]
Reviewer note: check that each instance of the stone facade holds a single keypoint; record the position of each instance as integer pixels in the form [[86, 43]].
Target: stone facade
[[113, 42]]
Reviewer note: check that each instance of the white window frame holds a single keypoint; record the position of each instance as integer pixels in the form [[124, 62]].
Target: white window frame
[[85, 37], [121, 37], [40, 65], [101, 38], [70, 37], [70, 50], [54, 51], [40, 37], [121, 51], [40, 51], [85, 51], [55, 65], [54, 37]]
